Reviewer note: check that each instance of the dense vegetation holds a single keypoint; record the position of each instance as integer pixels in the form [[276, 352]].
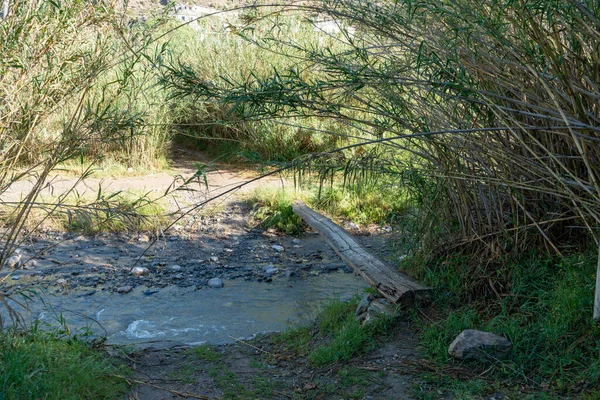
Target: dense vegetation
[[483, 118], [473, 126]]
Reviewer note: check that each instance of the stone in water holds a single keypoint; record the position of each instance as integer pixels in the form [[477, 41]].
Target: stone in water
[[124, 289], [215, 283]]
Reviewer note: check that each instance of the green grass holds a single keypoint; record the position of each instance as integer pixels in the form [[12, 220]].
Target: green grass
[[337, 336], [363, 205], [546, 313], [231, 386], [40, 365], [206, 353], [273, 208]]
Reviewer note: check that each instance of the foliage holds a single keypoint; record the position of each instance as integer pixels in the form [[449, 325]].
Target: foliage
[[217, 48], [39, 364], [543, 314], [486, 111], [75, 87], [338, 335], [274, 209]]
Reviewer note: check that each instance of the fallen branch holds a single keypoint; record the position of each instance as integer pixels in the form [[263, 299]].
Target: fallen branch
[[175, 392]]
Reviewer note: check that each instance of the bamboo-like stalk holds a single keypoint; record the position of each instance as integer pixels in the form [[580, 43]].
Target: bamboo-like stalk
[[597, 292]]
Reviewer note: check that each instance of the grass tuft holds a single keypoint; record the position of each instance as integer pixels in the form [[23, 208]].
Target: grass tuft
[[273, 208], [36, 365]]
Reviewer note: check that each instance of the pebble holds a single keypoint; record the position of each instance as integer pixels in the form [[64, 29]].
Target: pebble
[[214, 259], [61, 281], [215, 283], [296, 241], [143, 239], [30, 264], [140, 271], [271, 271], [15, 277], [13, 261], [278, 248], [175, 267], [178, 276], [124, 289]]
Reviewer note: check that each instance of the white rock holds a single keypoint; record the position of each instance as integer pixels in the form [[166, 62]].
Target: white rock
[[61, 281], [30, 264], [175, 267], [474, 344], [140, 271], [143, 238], [14, 261], [296, 241], [215, 283], [271, 271], [15, 277], [278, 248], [214, 259]]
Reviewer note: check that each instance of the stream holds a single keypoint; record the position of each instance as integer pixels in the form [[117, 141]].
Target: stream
[[184, 316]]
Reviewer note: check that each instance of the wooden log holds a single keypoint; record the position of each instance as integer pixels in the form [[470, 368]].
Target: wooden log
[[394, 285]]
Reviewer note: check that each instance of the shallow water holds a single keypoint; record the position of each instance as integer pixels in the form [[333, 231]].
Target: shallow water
[[174, 315]]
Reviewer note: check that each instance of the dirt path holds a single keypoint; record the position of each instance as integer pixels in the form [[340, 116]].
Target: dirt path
[[220, 179]]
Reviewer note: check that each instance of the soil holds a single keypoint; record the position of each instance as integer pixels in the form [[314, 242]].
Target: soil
[[265, 368]]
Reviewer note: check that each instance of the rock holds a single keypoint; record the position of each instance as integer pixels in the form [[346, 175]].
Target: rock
[[278, 248], [353, 226], [30, 264], [383, 307], [61, 281], [371, 308], [271, 271], [363, 305], [178, 276], [143, 238], [14, 261], [214, 259], [140, 271], [215, 283], [15, 277], [296, 241], [175, 267], [125, 289], [474, 344]]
